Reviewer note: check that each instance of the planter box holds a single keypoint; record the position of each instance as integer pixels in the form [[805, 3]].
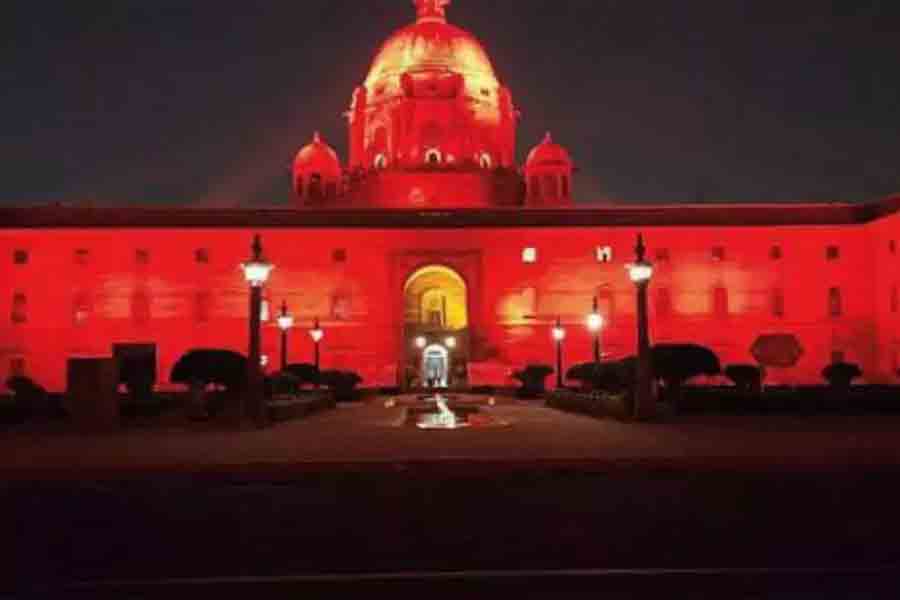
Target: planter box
[[92, 395]]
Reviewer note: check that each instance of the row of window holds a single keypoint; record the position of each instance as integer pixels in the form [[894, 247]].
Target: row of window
[[142, 256], [82, 305], [662, 255], [82, 256]]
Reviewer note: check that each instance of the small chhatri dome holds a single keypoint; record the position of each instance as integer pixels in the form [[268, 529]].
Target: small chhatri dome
[[318, 157], [549, 152]]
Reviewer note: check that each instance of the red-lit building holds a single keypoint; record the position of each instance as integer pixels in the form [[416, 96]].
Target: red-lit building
[[432, 241]]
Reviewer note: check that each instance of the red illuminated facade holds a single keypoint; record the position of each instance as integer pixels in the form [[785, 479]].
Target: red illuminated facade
[[432, 244]]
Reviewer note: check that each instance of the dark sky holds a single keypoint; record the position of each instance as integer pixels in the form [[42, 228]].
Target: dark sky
[[206, 102]]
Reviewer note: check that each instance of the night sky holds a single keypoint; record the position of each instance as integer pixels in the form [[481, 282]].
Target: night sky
[[201, 102]]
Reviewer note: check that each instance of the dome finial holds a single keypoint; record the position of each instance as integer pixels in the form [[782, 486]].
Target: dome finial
[[317, 138], [431, 11], [548, 138]]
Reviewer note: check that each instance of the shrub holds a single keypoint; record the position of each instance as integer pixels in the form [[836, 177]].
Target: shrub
[[841, 374], [305, 373], [610, 376], [282, 384], [534, 380], [205, 367], [746, 378], [201, 368], [342, 383], [30, 397]]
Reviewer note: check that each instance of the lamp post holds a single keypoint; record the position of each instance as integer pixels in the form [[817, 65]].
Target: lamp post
[[595, 324], [317, 334], [559, 335], [641, 272], [285, 324], [256, 272], [451, 344]]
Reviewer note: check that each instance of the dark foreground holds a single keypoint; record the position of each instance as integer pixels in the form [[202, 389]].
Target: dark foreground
[[627, 532]]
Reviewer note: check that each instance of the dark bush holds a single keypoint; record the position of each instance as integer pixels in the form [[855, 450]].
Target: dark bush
[[746, 378], [202, 368], [609, 376], [306, 374], [282, 384], [343, 384], [674, 364], [841, 374], [534, 380], [30, 397], [219, 367]]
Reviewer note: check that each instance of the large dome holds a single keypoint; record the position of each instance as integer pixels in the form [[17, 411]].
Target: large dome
[[431, 44]]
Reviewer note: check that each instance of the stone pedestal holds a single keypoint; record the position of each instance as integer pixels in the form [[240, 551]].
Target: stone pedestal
[[92, 395]]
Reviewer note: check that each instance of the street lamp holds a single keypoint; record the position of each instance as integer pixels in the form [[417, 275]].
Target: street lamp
[[641, 272], [595, 323], [421, 342], [285, 324], [559, 335], [317, 334], [256, 273]]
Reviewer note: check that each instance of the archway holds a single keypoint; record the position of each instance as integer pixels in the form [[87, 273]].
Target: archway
[[436, 327]]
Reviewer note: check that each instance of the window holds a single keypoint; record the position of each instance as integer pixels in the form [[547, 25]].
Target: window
[[339, 255], [778, 304], [202, 305], [550, 189], [140, 307], [535, 186], [19, 309], [565, 186], [720, 301], [82, 256], [833, 253], [485, 92], [381, 162], [892, 246], [718, 253], [142, 257], [775, 253], [529, 256], [485, 161], [604, 254], [201, 255], [835, 304], [81, 308], [662, 255], [433, 157], [20, 257], [663, 303], [17, 367]]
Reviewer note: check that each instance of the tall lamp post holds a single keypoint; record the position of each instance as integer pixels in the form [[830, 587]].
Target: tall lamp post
[[317, 334], [595, 324], [559, 335], [256, 272], [641, 272], [285, 324]]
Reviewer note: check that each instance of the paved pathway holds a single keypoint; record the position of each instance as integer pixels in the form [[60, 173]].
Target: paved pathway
[[369, 436]]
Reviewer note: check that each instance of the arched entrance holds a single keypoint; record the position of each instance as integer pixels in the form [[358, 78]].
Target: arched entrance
[[436, 328]]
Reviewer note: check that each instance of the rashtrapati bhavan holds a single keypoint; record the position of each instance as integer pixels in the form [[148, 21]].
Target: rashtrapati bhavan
[[433, 243]]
